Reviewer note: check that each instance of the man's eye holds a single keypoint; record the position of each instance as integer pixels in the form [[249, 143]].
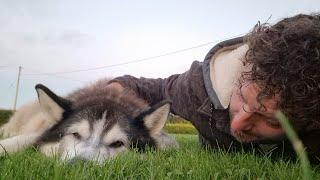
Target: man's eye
[[76, 135], [273, 123], [116, 144]]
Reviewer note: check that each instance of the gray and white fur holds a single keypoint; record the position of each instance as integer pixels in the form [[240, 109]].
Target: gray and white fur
[[93, 123]]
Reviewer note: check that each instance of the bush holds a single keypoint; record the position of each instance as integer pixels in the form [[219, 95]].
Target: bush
[[4, 116], [180, 128], [176, 119]]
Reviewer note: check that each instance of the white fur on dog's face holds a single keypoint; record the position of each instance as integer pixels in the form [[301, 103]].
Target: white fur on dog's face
[[94, 123], [92, 143]]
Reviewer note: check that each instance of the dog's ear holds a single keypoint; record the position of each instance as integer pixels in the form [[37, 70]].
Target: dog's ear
[[51, 104], [155, 118]]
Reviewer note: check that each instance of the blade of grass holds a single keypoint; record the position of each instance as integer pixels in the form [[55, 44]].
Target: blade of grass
[[297, 145]]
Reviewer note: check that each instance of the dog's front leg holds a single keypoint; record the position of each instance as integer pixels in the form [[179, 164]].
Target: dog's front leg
[[17, 143]]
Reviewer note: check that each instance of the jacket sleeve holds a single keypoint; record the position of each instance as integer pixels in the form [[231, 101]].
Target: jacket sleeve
[[183, 90], [151, 90]]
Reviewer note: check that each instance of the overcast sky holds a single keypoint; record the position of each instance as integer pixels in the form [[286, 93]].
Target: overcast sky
[[45, 36]]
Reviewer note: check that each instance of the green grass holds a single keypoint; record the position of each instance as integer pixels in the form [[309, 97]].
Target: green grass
[[189, 162], [297, 145], [180, 128]]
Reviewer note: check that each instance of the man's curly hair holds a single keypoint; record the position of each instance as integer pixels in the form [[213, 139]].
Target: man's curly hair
[[285, 60]]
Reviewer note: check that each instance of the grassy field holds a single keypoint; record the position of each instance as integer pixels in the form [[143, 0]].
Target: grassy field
[[189, 162]]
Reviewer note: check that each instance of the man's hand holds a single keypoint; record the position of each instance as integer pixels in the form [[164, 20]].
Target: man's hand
[[117, 86]]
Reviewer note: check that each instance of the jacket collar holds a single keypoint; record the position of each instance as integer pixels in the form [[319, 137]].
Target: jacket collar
[[222, 68]]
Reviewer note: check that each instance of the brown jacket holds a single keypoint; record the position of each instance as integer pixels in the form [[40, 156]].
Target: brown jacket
[[194, 98]]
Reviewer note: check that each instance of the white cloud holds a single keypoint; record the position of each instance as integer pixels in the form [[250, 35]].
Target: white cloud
[[56, 35]]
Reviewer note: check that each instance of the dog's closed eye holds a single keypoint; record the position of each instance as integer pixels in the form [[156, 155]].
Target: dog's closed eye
[[76, 135], [116, 144]]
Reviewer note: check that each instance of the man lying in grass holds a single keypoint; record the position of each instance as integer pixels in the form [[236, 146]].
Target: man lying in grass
[[232, 96]]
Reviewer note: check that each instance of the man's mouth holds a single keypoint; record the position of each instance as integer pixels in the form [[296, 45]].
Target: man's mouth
[[244, 137]]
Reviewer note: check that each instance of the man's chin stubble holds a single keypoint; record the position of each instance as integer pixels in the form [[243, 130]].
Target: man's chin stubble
[[244, 138], [241, 137]]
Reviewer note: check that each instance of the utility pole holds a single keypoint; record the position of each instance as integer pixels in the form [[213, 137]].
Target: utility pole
[[17, 90]]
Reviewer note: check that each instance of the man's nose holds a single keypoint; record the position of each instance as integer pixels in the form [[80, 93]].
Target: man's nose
[[241, 121]]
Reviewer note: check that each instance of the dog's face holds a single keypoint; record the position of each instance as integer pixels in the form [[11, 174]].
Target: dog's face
[[100, 128]]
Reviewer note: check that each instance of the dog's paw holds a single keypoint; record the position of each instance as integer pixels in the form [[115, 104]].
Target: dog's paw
[[165, 141]]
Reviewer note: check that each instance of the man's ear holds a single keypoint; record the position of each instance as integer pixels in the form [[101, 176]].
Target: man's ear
[[51, 104], [155, 118]]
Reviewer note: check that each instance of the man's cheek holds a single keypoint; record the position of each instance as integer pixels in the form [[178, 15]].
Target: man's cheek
[[235, 103], [234, 109], [269, 132]]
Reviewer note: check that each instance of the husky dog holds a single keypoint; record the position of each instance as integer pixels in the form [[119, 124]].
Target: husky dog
[[92, 123]]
